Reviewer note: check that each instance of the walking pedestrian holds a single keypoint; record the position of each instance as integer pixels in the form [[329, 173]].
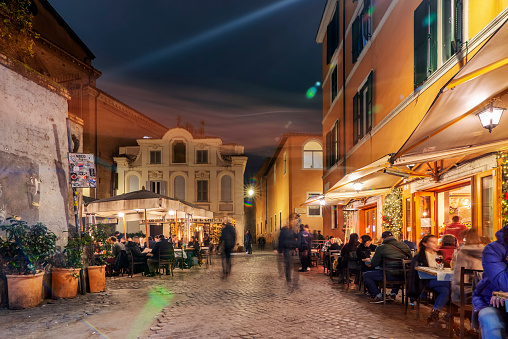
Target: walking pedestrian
[[248, 242], [227, 240], [286, 245], [304, 244]]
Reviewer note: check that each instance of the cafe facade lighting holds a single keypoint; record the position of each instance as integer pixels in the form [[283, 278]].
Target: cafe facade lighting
[[490, 117], [357, 186]]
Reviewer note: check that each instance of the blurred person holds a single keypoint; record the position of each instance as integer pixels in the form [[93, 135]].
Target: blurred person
[[117, 246], [485, 240], [248, 242], [455, 228], [227, 240], [389, 249], [151, 242], [194, 245], [304, 243], [320, 236], [448, 246], [410, 244], [492, 315], [137, 255], [162, 244], [286, 244], [118, 235], [426, 256], [468, 256], [348, 248]]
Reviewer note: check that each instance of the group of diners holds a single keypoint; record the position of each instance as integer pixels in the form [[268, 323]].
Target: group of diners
[[430, 253], [149, 255]]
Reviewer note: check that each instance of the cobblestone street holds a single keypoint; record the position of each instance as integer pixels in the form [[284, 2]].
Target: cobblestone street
[[254, 302]]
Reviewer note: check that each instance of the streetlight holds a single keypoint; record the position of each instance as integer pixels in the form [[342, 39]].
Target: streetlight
[[490, 117], [250, 192]]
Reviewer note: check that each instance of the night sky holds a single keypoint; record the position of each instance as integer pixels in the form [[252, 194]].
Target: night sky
[[242, 66]]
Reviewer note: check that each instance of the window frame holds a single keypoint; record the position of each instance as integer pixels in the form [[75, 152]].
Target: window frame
[[200, 191], [174, 153], [361, 30], [161, 186], [284, 163], [309, 208], [363, 120], [200, 160], [312, 155], [158, 157]]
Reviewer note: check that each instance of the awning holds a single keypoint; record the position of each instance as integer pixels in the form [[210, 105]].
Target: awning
[[451, 126], [134, 204]]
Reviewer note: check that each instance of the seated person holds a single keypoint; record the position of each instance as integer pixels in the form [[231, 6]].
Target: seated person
[[363, 252], [193, 244], [151, 242], [206, 242], [469, 256], [389, 249], [411, 245], [492, 315], [426, 256], [162, 245], [137, 255], [331, 245], [448, 245], [117, 246]]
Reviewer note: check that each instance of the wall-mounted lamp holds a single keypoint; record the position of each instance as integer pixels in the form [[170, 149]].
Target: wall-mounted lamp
[[490, 117], [357, 186]]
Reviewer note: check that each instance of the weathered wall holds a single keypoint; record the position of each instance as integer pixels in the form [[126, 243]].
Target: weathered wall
[[33, 152]]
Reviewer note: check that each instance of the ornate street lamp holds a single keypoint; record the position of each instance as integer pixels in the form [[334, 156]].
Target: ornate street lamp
[[490, 117]]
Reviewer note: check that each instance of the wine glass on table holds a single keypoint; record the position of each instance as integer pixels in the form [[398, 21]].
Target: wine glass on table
[[439, 261]]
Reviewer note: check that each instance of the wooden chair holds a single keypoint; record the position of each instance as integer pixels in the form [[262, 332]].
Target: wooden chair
[[332, 258], [353, 265], [469, 278], [404, 265], [132, 263], [166, 260]]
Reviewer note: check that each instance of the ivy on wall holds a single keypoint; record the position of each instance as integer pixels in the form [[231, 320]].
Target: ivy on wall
[[16, 31], [392, 212]]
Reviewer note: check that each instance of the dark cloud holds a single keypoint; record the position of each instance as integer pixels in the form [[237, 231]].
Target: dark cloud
[[242, 66]]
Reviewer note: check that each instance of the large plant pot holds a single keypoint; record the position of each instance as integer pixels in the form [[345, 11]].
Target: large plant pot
[[24, 291], [64, 282], [97, 278]]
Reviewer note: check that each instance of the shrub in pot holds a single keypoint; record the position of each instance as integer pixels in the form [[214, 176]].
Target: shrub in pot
[[66, 268], [25, 251], [98, 247]]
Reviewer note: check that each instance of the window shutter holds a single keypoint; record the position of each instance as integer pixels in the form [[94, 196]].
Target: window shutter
[[334, 80], [366, 22], [356, 36], [329, 150], [432, 19], [355, 118], [332, 35], [459, 9], [163, 188], [335, 156], [425, 40], [369, 116], [148, 187]]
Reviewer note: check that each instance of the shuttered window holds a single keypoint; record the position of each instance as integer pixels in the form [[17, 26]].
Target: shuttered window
[[361, 30], [333, 81], [362, 110], [425, 40], [332, 35], [202, 192]]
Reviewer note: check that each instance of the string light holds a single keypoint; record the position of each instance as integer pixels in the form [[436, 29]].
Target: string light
[[392, 212]]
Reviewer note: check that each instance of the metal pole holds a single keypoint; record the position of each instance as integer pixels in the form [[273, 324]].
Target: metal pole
[[146, 231], [74, 190]]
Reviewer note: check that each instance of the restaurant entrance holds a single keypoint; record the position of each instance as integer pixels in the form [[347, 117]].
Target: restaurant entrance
[[368, 222]]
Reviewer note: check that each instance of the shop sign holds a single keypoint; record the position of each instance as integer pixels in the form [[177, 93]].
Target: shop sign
[[82, 170]]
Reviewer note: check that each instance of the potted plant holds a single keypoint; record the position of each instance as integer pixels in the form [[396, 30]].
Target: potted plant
[[98, 250], [66, 268], [25, 251]]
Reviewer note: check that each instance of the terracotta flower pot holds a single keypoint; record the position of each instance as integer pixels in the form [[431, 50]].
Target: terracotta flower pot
[[64, 282], [24, 291], [97, 278]]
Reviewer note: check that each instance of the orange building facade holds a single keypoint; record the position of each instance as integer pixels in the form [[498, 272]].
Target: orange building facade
[[401, 110], [285, 181]]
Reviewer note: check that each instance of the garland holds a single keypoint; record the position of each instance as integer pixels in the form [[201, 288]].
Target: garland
[[392, 212], [504, 186]]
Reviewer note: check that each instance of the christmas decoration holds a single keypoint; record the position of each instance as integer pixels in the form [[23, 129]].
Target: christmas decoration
[[392, 212], [504, 186]]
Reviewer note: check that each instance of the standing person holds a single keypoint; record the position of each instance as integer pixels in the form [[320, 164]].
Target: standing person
[[227, 240], [455, 228], [304, 243], [248, 242], [492, 315], [286, 245]]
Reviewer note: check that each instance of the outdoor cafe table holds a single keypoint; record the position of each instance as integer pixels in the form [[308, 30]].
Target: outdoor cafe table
[[179, 252], [430, 273]]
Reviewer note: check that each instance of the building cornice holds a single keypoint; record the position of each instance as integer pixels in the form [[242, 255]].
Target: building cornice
[[325, 20]]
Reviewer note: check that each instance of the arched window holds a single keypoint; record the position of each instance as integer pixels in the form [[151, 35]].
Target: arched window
[[179, 187], [179, 153], [312, 155], [133, 183], [225, 188]]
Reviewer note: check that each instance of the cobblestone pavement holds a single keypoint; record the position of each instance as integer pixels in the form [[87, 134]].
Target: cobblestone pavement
[[254, 302]]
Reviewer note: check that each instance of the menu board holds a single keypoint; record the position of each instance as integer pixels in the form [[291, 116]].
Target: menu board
[[82, 170]]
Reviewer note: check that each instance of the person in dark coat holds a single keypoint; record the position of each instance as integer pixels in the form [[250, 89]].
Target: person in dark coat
[[492, 315], [137, 255], [248, 242], [164, 245], [286, 245], [227, 240], [428, 250], [304, 243], [363, 252]]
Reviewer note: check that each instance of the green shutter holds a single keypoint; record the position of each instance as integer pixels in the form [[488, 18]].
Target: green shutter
[[355, 119], [328, 150], [332, 35], [334, 86], [369, 104], [425, 40], [459, 10], [356, 38]]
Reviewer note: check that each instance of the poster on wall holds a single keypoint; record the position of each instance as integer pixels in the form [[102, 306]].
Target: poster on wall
[[82, 170]]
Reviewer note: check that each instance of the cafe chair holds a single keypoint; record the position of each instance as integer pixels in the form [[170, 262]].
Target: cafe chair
[[404, 265], [469, 278], [132, 263], [353, 267], [166, 261]]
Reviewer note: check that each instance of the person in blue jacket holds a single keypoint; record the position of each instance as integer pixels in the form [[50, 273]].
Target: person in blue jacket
[[492, 315]]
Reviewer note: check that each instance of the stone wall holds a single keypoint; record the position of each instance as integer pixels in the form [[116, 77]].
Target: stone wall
[[33, 150]]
